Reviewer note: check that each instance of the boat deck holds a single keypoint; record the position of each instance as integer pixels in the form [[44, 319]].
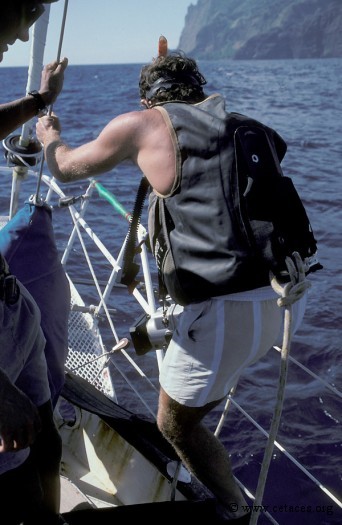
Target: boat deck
[[137, 471], [72, 498]]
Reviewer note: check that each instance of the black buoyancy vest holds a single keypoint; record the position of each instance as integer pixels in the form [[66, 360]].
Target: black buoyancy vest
[[198, 235]]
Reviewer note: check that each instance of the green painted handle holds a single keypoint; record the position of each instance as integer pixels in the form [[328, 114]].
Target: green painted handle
[[113, 201]]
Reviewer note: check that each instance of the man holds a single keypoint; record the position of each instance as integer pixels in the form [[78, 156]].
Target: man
[[29, 482], [177, 143], [17, 16]]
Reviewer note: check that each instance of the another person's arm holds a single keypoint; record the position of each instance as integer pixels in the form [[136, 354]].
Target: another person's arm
[[14, 114]]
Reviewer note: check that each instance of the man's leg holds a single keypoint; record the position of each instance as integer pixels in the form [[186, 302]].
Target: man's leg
[[201, 452]]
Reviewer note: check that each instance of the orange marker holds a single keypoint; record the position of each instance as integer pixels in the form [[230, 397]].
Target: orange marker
[[162, 46]]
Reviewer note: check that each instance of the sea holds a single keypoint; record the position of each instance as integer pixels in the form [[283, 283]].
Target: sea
[[302, 101]]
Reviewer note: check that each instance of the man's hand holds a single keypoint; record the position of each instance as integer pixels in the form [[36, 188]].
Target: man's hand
[[19, 418], [52, 80], [48, 125]]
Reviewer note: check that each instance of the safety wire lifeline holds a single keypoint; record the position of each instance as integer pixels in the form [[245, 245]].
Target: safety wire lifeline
[[65, 10], [289, 294]]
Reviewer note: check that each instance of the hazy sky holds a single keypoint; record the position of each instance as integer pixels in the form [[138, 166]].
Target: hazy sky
[[108, 31]]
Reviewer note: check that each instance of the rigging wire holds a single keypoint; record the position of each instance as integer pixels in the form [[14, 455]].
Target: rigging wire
[[61, 37]]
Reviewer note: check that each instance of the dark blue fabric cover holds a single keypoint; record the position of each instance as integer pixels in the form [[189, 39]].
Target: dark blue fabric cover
[[28, 243]]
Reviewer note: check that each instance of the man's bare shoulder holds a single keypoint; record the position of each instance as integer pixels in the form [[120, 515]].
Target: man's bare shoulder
[[143, 116], [141, 126]]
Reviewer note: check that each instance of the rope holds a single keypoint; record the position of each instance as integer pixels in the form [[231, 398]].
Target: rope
[[298, 285], [289, 294]]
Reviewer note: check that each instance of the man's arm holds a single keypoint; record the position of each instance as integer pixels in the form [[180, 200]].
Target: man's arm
[[141, 137], [19, 418], [118, 141], [14, 114]]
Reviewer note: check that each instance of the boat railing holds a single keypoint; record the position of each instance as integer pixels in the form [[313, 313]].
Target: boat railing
[[103, 291]]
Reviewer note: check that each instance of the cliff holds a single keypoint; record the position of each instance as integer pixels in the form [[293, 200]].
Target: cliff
[[263, 29]]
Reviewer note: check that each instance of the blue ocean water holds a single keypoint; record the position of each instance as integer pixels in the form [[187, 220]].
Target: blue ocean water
[[301, 99]]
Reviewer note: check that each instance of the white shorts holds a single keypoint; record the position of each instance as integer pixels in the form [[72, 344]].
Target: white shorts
[[215, 340]]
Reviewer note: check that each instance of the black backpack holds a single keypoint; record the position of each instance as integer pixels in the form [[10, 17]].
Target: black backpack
[[271, 211], [273, 214]]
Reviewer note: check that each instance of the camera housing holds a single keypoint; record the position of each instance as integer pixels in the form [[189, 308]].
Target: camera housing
[[154, 332]]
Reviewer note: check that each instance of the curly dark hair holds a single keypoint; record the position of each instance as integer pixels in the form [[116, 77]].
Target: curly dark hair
[[170, 78]]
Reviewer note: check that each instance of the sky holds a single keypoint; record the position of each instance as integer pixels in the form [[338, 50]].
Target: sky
[[107, 31]]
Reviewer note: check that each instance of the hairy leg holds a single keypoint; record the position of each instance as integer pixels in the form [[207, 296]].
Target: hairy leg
[[200, 451]]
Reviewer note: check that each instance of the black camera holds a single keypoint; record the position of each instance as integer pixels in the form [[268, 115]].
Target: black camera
[[153, 332]]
